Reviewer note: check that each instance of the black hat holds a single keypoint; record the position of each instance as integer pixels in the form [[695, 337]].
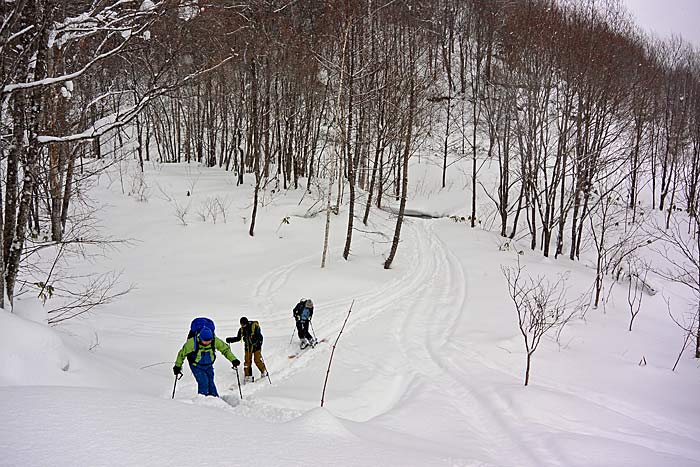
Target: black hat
[[244, 321]]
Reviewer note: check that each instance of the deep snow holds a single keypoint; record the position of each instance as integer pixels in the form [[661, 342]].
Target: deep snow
[[429, 370]]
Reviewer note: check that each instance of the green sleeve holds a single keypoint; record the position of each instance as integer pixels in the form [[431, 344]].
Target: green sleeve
[[223, 347], [184, 351]]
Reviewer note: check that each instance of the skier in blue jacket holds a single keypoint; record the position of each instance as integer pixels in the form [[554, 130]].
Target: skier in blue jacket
[[303, 312]]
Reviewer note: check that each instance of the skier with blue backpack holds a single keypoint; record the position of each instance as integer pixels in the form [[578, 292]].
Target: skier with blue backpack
[[200, 351]]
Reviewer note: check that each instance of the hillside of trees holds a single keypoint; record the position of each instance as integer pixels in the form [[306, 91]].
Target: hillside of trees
[[586, 121]]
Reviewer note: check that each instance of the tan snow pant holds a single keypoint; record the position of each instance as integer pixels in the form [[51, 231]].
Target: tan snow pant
[[257, 356]]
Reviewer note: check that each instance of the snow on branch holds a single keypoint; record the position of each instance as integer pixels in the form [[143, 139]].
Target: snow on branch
[[90, 26], [125, 114]]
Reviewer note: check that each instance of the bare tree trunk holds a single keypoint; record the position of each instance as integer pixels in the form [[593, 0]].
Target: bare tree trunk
[[527, 368], [372, 182], [29, 171], [697, 316], [333, 168], [27, 107], [68, 188], [255, 146], [58, 152], [348, 149], [447, 133], [2, 256], [314, 145], [518, 210], [406, 155], [12, 182]]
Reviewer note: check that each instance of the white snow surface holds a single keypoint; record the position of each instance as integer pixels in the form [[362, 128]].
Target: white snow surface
[[428, 372]]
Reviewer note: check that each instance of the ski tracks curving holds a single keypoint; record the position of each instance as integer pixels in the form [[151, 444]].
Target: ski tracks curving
[[423, 305]]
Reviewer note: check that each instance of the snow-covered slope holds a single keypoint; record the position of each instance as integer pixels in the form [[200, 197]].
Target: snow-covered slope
[[429, 370]]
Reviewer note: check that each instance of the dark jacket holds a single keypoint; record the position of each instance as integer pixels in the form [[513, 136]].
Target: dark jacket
[[301, 313], [251, 336]]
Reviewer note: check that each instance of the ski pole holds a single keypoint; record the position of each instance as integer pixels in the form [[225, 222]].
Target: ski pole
[[292, 338], [312, 329], [267, 370], [239, 382], [178, 376]]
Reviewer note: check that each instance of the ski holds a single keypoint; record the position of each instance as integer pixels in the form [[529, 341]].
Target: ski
[[249, 383], [255, 380], [301, 351]]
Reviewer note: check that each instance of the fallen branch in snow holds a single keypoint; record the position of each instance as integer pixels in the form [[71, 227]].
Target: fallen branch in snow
[[154, 364], [330, 360]]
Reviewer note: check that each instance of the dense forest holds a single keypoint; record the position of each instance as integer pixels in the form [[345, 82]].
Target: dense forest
[[584, 122]]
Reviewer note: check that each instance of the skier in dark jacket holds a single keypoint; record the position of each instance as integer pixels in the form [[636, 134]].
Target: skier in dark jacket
[[200, 351], [303, 312], [252, 339]]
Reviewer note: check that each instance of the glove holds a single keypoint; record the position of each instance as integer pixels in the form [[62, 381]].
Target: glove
[[235, 363], [177, 370], [230, 340]]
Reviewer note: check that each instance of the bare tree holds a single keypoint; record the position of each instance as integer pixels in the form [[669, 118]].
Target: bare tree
[[46, 48], [681, 253], [615, 238], [408, 142], [541, 306], [336, 122], [690, 329], [637, 273]]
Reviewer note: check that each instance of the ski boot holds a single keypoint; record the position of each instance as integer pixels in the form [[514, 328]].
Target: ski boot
[[248, 379]]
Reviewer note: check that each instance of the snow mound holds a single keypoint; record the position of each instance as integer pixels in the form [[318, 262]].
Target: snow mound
[[30, 353], [322, 420], [224, 401]]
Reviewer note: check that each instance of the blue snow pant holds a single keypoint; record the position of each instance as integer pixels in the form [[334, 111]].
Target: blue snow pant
[[205, 379]]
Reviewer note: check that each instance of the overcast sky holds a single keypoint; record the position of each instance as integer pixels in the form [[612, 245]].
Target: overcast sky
[[666, 17]]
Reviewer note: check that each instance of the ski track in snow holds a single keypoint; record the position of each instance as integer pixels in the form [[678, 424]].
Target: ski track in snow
[[367, 305], [435, 281], [640, 417], [424, 337], [267, 286], [426, 303]]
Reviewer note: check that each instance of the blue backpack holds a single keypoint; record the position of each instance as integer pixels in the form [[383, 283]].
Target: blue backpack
[[195, 327]]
